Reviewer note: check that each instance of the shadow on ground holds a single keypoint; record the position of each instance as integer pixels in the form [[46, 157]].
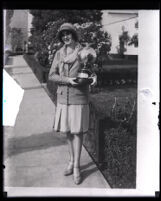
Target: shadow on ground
[[9, 71], [85, 173], [34, 142]]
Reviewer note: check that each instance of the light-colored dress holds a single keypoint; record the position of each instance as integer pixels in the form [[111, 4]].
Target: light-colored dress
[[72, 110], [72, 118]]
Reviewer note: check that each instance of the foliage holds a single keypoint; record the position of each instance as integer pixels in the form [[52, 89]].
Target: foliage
[[16, 38], [42, 17], [117, 150], [120, 144], [119, 165], [9, 14], [47, 22], [123, 40], [94, 35], [134, 40]]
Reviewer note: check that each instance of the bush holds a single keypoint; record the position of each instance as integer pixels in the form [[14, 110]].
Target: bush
[[46, 24], [119, 166], [111, 140], [16, 39]]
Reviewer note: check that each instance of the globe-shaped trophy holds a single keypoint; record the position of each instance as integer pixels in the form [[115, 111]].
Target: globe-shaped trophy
[[87, 56]]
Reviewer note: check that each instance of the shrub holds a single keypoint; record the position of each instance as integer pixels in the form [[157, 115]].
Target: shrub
[[113, 122], [16, 39], [46, 24]]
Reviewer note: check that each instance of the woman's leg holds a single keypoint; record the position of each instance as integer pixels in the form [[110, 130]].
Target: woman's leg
[[69, 168], [78, 140], [71, 147]]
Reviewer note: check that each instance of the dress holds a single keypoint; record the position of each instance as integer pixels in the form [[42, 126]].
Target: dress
[[72, 110], [72, 118]]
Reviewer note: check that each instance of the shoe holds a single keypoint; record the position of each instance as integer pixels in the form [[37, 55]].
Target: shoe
[[69, 169], [77, 176]]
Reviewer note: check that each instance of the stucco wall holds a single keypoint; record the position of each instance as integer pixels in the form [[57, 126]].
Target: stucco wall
[[113, 21]]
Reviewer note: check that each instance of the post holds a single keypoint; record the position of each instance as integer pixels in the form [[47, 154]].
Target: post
[[100, 141]]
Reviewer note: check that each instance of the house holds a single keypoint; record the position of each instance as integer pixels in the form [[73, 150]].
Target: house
[[21, 19], [116, 21]]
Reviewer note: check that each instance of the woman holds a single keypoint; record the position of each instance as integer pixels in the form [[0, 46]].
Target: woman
[[72, 111]]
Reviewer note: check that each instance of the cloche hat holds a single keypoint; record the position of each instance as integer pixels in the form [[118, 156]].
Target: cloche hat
[[67, 27]]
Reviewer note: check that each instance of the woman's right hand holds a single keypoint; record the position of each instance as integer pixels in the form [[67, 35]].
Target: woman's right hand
[[72, 81]]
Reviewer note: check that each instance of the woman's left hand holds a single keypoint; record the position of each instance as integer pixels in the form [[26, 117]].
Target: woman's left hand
[[72, 81], [94, 78]]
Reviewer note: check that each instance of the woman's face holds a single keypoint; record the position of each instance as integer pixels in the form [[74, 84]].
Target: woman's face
[[67, 37]]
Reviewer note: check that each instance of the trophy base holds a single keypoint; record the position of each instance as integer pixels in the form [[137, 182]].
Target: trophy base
[[83, 81]]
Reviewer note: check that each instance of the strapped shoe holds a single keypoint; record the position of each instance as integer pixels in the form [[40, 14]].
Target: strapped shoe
[[77, 176], [69, 169]]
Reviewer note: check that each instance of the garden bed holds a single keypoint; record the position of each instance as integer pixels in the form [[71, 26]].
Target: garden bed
[[111, 140]]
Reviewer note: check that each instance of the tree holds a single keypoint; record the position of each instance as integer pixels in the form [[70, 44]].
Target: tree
[[42, 17], [46, 23], [134, 38], [16, 39], [123, 40]]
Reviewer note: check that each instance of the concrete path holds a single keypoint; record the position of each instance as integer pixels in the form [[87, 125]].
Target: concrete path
[[34, 155]]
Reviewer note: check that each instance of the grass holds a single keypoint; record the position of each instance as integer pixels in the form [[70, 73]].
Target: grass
[[117, 108], [104, 98]]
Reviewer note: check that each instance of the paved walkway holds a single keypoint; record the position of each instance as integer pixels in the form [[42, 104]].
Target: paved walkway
[[34, 155]]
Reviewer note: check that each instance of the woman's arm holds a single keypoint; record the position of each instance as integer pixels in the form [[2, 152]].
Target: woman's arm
[[54, 72]]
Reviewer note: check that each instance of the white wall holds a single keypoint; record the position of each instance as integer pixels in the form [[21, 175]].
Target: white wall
[[20, 20], [29, 23], [112, 23]]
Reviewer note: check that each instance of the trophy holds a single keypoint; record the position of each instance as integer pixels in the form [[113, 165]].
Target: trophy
[[87, 56]]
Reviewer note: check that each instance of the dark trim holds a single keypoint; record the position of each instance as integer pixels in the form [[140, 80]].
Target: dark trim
[[114, 4]]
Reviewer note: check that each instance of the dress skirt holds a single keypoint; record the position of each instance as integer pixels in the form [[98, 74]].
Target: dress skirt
[[72, 118]]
